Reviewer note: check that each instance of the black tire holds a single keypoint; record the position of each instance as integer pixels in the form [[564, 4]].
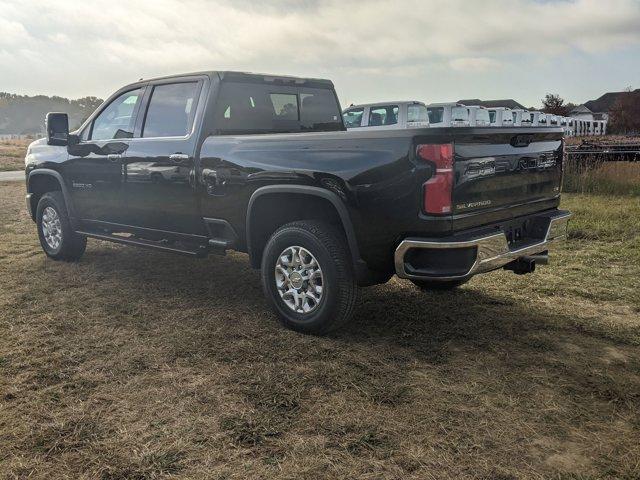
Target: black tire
[[71, 245], [339, 288], [428, 285]]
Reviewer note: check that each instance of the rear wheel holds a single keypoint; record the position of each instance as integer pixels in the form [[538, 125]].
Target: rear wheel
[[308, 278], [57, 238], [435, 285]]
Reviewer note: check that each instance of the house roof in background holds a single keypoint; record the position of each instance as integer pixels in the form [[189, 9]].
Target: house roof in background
[[581, 109], [605, 102], [509, 103]]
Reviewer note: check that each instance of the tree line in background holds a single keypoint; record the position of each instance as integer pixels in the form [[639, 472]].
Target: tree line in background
[[624, 114], [23, 115]]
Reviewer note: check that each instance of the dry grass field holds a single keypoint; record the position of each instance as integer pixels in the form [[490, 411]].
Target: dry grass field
[[595, 175], [12, 153], [133, 364]]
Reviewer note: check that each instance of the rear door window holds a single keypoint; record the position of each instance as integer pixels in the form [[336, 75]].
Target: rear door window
[[353, 117], [384, 115], [436, 114], [171, 110]]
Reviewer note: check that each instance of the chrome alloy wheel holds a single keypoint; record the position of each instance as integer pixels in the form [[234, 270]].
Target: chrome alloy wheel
[[51, 227], [299, 279]]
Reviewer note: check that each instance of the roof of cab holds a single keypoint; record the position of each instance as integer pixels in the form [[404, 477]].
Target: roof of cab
[[246, 76]]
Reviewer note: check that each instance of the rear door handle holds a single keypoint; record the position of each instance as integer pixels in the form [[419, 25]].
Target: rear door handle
[[178, 157], [114, 157]]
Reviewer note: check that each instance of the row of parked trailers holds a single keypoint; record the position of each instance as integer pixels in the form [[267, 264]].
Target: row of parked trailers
[[412, 114]]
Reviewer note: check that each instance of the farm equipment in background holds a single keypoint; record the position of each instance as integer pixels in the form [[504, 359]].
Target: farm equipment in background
[[606, 151]]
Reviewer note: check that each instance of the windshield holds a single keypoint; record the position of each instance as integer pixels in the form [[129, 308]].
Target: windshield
[[492, 116], [435, 114], [482, 115], [353, 118], [417, 113]]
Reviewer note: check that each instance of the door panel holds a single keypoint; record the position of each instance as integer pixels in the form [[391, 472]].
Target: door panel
[[159, 188], [94, 171], [159, 167]]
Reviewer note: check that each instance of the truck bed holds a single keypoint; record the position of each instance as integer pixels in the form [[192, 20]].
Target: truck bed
[[500, 174]]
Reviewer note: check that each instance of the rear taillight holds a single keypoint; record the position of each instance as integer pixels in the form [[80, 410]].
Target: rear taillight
[[439, 188]]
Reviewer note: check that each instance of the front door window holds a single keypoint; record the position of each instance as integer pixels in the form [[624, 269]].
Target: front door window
[[117, 120]]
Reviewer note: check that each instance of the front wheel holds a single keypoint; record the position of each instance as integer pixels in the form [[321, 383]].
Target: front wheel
[[308, 277], [57, 238]]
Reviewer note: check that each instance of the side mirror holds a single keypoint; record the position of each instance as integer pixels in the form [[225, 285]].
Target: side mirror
[[57, 125]]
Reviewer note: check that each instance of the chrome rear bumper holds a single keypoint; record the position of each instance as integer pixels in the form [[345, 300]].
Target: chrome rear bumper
[[491, 251]]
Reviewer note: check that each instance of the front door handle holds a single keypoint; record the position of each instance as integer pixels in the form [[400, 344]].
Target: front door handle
[[114, 157], [178, 157]]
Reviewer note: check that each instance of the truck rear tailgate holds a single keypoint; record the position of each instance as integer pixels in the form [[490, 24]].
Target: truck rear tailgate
[[504, 170]]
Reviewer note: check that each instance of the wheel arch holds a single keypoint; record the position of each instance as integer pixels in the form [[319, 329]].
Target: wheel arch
[[45, 180], [257, 234]]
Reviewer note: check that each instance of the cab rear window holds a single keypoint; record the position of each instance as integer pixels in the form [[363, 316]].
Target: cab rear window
[[246, 108]]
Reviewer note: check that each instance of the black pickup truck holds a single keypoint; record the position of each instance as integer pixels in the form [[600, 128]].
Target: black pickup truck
[[206, 162]]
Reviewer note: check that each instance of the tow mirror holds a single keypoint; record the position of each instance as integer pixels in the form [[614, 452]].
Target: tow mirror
[[57, 125]]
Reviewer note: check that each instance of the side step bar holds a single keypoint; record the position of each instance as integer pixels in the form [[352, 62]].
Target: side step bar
[[201, 251]]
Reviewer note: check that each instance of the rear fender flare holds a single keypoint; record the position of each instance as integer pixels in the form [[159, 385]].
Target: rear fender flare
[[337, 203]]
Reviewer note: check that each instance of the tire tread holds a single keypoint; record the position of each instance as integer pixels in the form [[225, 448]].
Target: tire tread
[[347, 287]]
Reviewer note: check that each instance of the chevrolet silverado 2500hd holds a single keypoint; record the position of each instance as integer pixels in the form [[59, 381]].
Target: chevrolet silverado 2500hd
[[207, 162]]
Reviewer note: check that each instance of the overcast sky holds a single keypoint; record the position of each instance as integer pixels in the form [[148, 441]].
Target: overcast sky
[[430, 50]]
